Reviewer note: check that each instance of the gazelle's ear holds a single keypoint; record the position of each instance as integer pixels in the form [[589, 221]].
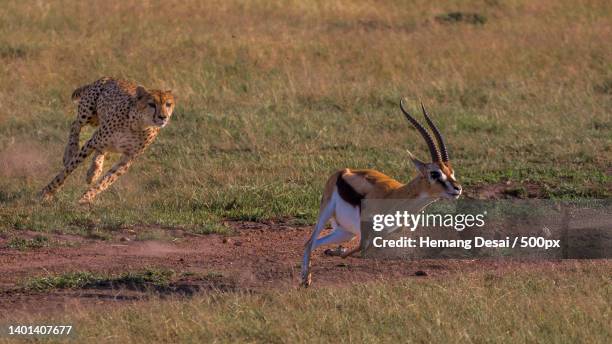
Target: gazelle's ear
[[420, 166]]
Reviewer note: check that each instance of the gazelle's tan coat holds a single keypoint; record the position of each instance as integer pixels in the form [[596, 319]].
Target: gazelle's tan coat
[[345, 189]]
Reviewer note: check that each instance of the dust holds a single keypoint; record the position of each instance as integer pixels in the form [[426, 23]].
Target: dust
[[24, 159], [156, 249]]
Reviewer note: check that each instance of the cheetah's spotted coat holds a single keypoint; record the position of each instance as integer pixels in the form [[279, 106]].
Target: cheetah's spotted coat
[[128, 118]]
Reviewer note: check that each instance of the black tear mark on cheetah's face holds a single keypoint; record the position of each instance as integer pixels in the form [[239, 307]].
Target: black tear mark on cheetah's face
[[154, 106]]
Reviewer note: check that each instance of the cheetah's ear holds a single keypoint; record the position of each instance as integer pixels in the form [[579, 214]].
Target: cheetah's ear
[[169, 93], [141, 92]]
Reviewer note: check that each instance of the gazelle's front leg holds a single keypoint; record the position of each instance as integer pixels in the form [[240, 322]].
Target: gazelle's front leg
[[109, 178], [365, 241], [95, 170], [59, 180], [337, 236]]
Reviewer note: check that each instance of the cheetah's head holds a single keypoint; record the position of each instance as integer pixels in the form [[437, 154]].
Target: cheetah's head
[[156, 106]]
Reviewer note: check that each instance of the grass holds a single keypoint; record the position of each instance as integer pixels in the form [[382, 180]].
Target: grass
[[24, 244], [551, 306], [455, 17], [85, 279], [153, 234], [275, 96]]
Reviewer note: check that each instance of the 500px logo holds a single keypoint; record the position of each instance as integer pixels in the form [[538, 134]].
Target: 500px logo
[[458, 222]]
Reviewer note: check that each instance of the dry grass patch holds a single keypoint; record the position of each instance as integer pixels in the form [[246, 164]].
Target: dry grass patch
[[543, 306]]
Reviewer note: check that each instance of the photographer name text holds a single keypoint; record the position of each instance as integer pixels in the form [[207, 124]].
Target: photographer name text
[[468, 244]]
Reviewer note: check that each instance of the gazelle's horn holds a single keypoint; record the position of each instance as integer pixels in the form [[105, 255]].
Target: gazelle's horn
[[435, 155], [439, 138]]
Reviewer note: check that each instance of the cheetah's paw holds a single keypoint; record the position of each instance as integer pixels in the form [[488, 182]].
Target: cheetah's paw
[[45, 196]]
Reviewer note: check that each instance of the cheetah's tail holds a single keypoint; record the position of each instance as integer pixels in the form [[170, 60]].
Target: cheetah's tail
[[76, 95]]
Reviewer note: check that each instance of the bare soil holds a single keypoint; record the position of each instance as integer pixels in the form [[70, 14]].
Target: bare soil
[[256, 257]]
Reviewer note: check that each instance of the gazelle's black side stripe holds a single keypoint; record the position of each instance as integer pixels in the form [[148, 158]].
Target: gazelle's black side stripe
[[347, 193]]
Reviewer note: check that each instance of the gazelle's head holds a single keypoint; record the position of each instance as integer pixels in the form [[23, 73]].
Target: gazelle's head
[[438, 175]]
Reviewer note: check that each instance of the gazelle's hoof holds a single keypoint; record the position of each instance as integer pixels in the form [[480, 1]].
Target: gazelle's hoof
[[306, 281], [339, 251]]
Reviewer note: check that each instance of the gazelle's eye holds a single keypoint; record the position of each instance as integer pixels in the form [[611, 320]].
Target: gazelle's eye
[[152, 105], [435, 174]]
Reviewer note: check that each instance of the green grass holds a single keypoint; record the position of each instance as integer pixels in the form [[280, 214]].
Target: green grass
[[24, 244], [85, 279], [274, 97], [564, 306]]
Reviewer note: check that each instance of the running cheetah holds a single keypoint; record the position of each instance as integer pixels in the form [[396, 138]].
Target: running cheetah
[[129, 118]]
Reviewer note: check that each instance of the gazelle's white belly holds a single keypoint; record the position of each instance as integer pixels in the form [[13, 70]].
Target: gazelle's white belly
[[347, 216]]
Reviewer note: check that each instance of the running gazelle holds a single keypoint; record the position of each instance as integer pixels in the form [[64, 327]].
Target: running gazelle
[[346, 188]]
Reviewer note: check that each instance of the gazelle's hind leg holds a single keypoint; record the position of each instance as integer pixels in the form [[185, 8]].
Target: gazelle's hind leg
[[95, 170], [85, 115], [337, 236], [326, 213]]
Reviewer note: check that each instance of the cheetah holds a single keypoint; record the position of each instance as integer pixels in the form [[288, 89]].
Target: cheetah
[[128, 118]]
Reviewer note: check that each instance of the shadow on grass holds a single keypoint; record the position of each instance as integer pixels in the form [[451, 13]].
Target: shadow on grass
[[163, 282]]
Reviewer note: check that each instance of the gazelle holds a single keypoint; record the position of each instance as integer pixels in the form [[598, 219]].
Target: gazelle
[[344, 190]]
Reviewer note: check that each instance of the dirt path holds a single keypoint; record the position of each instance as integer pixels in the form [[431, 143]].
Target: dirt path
[[256, 258]]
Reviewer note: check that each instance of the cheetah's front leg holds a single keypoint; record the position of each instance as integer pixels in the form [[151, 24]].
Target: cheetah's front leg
[[95, 170], [109, 178]]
